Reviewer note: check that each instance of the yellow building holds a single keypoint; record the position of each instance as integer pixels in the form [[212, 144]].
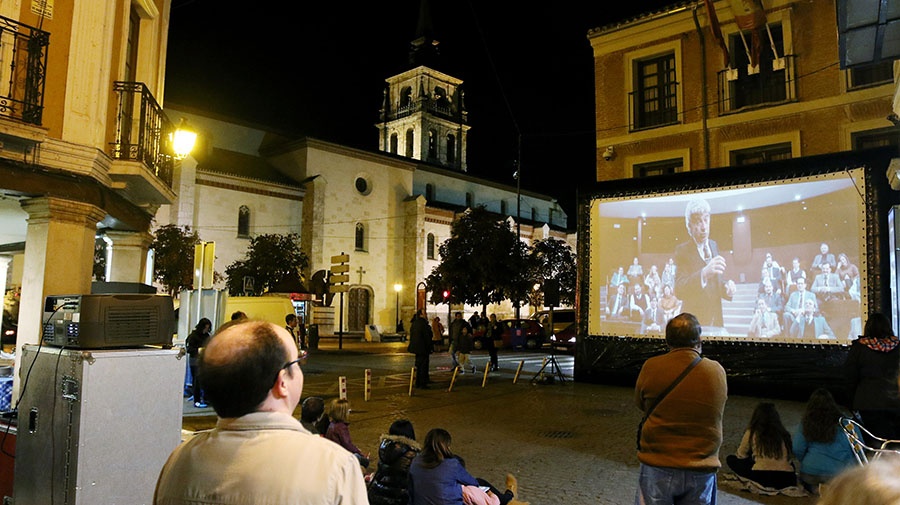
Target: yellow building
[[84, 144], [669, 98]]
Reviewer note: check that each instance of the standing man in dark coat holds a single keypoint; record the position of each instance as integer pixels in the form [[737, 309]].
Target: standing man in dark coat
[[420, 345], [699, 278]]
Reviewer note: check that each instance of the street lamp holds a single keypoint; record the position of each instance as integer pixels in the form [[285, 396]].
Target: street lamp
[[398, 287], [183, 140]]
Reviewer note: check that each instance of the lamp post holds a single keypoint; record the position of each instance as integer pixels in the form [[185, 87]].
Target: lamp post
[[183, 140], [398, 287]]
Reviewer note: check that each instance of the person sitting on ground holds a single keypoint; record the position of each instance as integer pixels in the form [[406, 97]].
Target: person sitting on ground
[[819, 443], [764, 455], [339, 429], [395, 453], [312, 415], [258, 452], [438, 476]]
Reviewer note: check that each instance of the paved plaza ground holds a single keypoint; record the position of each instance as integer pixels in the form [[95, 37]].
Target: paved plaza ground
[[567, 442]]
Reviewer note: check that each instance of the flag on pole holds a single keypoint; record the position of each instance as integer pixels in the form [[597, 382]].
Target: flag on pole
[[750, 16], [717, 30]]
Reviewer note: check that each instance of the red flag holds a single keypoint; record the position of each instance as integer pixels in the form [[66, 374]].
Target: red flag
[[750, 16], [716, 30]]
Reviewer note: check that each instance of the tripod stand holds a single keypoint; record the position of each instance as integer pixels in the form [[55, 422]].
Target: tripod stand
[[555, 371]]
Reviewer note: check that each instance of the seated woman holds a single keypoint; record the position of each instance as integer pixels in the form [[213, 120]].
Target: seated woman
[[764, 455], [819, 443], [438, 476], [395, 453], [670, 305], [339, 429]]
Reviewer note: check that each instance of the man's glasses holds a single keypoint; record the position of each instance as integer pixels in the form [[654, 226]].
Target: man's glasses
[[301, 360]]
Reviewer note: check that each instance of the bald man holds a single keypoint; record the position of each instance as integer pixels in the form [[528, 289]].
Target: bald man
[[258, 452]]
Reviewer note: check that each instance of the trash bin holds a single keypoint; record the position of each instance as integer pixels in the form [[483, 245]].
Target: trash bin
[[313, 336]]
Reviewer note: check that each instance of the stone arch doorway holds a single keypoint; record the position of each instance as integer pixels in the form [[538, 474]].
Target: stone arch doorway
[[359, 307]]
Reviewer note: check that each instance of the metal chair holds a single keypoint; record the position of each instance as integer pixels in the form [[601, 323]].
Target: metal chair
[[864, 453]]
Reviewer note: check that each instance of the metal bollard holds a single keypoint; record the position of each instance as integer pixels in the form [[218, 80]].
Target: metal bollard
[[368, 383], [342, 387]]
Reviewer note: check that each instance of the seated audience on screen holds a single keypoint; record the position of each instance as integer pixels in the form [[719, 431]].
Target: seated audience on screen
[[828, 286], [823, 257], [774, 301], [654, 318], [846, 271], [618, 278], [652, 281], [775, 271], [638, 303], [617, 306], [670, 305], [635, 272], [853, 291], [811, 324], [764, 322], [794, 306], [793, 274], [668, 274]]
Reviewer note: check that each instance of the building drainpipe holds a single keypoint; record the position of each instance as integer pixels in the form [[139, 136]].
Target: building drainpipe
[[704, 104]]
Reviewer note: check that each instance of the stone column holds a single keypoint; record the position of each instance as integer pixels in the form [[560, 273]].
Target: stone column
[[129, 255], [4, 271], [59, 257]]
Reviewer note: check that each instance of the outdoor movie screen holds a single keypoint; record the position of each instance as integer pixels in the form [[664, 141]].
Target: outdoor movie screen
[[778, 261]]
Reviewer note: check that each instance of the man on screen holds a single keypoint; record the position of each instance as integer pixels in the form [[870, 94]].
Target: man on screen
[[699, 279]]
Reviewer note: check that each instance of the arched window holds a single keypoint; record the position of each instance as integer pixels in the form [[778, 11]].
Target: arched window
[[243, 222], [394, 143], [406, 97], [451, 149], [409, 143], [429, 192], [432, 144], [430, 246], [360, 242]]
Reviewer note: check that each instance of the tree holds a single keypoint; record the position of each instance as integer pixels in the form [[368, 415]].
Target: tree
[[268, 260], [554, 259], [479, 264], [173, 265]]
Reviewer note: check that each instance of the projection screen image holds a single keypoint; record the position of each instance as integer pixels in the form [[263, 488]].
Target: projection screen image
[[781, 261]]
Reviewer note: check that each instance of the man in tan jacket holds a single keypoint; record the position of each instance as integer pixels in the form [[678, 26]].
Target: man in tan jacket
[[680, 440]]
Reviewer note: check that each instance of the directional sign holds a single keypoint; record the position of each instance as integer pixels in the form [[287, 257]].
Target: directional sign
[[339, 278], [340, 269], [342, 258], [338, 288]]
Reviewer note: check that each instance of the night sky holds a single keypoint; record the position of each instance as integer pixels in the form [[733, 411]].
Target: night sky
[[319, 70]]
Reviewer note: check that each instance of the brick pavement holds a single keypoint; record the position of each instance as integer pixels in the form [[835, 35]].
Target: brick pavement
[[568, 443]]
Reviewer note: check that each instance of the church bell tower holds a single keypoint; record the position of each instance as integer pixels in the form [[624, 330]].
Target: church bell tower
[[423, 115]]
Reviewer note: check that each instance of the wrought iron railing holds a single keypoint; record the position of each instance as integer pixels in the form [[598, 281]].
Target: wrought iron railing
[[23, 71], [143, 132], [774, 84]]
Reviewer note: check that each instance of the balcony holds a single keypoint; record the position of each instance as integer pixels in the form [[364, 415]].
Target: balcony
[[653, 107], [142, 152], [774, 84], [23, 53]]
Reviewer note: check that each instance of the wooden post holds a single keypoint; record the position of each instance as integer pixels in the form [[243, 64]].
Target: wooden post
[[518, 371], [486, 370], [368, 383], [453, 379], [342, 387], [412, 380]]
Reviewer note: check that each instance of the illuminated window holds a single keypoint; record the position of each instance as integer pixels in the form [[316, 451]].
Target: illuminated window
[[430, 247], [243, 222]]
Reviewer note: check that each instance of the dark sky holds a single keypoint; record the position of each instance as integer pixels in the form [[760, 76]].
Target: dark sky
[[319, 70]]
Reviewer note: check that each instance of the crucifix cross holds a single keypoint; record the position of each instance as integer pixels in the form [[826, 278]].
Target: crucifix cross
[[360, 271]]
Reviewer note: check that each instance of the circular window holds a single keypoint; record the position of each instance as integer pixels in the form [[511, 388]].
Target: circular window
[[362, 185]]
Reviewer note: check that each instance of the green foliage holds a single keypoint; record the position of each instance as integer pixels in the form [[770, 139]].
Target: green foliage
[[480, 262], [269, 259], [554, 259], [173, 266]]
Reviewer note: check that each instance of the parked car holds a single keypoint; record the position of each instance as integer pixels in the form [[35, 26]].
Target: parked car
[[564, 340], [522, 333], [562, 318]]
